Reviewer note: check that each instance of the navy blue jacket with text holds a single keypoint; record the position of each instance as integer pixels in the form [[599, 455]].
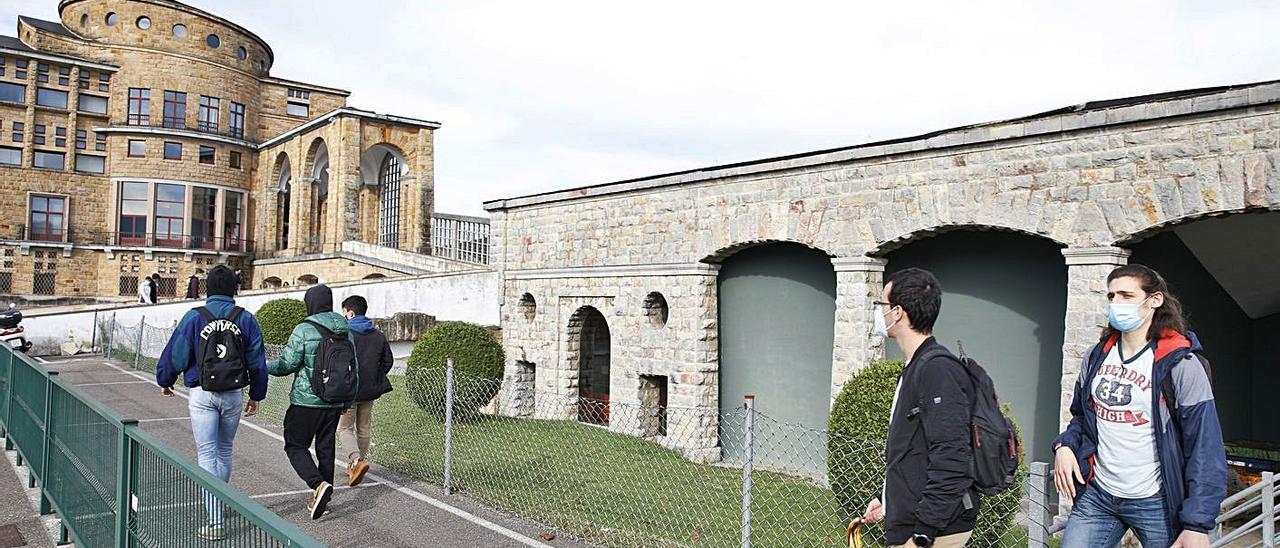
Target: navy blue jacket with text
[[179, 356]]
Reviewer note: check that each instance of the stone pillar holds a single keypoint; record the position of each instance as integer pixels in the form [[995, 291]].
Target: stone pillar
[[859, 281], [1087, 270], [300, 215]]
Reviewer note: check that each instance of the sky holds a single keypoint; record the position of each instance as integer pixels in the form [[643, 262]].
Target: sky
[[539, 96]]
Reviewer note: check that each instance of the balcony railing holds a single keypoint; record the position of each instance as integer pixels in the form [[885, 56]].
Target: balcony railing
[[460, 238], [210, 128], [138, 239]]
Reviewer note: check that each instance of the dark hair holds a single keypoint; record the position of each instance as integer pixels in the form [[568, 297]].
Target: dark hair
[[1167, 317], [918, 293], [155, 276], [356, 303], [221, 282]]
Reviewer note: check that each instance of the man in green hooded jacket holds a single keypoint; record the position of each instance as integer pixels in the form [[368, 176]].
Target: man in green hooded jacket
[[309, 418]]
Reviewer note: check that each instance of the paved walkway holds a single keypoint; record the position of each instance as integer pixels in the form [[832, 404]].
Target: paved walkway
[[20, 522], [386, 510]]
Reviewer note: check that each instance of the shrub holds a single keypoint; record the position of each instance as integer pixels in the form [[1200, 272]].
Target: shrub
[[477, 361], [859, 424], [278, 318]]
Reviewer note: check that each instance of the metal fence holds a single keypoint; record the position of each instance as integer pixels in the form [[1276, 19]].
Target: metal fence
[[460, 238], [112, 484]]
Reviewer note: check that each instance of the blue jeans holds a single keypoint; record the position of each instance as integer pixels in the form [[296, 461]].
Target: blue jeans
[[215, 416], [1100, 519]]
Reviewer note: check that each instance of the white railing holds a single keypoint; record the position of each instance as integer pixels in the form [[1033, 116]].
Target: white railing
[[460, 238]]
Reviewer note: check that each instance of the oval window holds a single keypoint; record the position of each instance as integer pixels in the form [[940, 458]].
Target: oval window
[[144, 22], [242, 53], [112, 18], [212, 40], [180, 31]]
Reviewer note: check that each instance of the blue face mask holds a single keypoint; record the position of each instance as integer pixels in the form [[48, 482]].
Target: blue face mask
[[1126, 317]]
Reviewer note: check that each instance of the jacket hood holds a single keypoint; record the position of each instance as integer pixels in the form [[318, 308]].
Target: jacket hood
[[361, 324], [318, 299]]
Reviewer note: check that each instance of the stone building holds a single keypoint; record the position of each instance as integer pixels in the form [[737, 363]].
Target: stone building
[[149, 136], [759, 277]]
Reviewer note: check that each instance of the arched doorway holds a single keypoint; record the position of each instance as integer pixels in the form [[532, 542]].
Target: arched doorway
[[1224, 271], [319, 173], [777, 328], [283, 181], [1004, 296], [593, 356]]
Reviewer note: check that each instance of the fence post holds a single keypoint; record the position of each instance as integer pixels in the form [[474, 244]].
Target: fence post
[[137, 348], [45, 507], [7, 356], [448, 426], [1268, 510], [124, 482], [111, 336], [1038, 518], [93, 337], [749, 433]]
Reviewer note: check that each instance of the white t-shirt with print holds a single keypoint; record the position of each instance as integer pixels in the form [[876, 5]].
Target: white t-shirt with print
[[1127, 465]]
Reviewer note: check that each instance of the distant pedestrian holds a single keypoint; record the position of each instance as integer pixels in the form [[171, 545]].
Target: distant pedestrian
[[144, 291], [374, 355], [193, 287], [217, 351], [155, 288]]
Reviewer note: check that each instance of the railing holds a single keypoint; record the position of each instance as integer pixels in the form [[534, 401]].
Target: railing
[[168, 122], [140, 239], [460, 238], [113, 484]]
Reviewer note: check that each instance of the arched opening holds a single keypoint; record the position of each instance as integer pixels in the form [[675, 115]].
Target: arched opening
[[590, 332], [777, 304], [375, 276], [308, 279], [528, 306], [1004, 297], [319, 174], [283, 181], [383, 169], [271, 282], [656, 309], [1224, 271]]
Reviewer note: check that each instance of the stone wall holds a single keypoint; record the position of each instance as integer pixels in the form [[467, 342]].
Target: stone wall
[[327, 270]]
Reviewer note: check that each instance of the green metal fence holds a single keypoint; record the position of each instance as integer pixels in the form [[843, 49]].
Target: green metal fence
[[113, 484]]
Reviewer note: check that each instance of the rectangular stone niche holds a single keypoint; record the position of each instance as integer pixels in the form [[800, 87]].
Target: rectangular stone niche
[[653, 405]]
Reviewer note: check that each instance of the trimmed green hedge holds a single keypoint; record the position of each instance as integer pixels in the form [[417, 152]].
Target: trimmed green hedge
[[278, 318], [477, 361]]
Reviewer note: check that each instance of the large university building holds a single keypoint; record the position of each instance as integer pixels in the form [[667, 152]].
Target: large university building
[[148, 136]]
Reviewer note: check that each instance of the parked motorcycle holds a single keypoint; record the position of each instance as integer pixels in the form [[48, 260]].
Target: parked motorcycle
[[11, 332]]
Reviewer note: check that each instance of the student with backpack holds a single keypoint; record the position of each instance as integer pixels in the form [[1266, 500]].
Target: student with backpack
[[1144, 449], [374, 354], [948, 442], [321, 356], [217, 351]]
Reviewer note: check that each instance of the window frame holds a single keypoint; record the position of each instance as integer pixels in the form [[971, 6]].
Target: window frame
[[139, 113], [129, 148], [168, 238], [212, 154], [76, 163], [174, 115], [209, 114], [36, 155], [66, 98], [166, 155], [209, 225], [133, 237], [60, 235]]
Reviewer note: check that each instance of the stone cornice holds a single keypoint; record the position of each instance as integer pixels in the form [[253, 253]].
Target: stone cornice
[[859, 264], [620, 271], [1108, 255]]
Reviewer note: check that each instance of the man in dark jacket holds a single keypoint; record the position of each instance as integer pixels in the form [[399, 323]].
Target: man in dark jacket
[[373, 352], [310, 418], [928, 498], [193, 286], [215, 416]]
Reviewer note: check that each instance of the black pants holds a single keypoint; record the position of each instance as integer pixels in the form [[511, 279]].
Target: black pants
[[302, 425]]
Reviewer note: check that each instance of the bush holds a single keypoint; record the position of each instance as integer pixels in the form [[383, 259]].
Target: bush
[[859, 424], [477, 362], [278, 318]]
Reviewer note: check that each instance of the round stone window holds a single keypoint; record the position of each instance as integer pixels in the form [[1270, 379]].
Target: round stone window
[[213, 41], [528, 307], [112, 18], [180, 31], [242, 53], [655, 308], [144, 22]]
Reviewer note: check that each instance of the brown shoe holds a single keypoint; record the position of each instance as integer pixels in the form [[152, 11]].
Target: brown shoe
[[356, 471], [320, 499]]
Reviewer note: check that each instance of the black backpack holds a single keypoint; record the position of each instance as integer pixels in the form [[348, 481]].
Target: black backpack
[[991, 433], [222, 353], [1171, 395], [334, 376]]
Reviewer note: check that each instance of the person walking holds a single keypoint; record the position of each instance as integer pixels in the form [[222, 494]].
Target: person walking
[[355, 428]]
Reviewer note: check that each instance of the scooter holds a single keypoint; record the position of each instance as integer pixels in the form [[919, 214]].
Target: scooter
[[11, 333]]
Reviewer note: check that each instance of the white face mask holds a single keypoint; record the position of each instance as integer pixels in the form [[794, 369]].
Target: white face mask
[[881, 329]]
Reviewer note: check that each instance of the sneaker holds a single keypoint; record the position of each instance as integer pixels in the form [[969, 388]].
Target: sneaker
[[212, 532], [320, 500], [356, 471]]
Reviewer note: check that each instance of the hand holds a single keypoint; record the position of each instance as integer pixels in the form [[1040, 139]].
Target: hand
[[166, 391], [874, 513], [345, 410], [1066, 469], [1192, 539], [251, 408]]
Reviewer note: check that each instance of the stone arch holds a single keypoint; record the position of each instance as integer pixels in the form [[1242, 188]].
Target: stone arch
[[384, 168], [1152, 229], [588, 353], [316, 169], [308, 279], [885, 247], [282, 184], [723, 253], [317, 153], [375, 276], [371, 162], [271, 282], [281, 172]]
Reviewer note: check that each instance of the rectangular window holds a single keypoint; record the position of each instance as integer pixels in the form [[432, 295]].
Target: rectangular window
[[208, 113], [82, 139], [84, 78], [299, 94], [237, 120], [137, 148], [50, 160], [100, 141], [129, 286], [170, 205], [93, 103], [13, 93], [91, 164], [175, 109], [64, 76], [297, 109], [44, 283], [17, 131], [206, 154], [55, 98], [48, 218], [232, 210], [139, 107], [203, 213], [172, 151], [38, 134], [21, 73], [10, 156], [233, 159], [42, 72], [104, 81], [133, 213]]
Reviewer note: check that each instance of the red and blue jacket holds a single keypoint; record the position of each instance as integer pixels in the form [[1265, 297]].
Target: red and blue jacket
[[180, 355], [1193, 461]]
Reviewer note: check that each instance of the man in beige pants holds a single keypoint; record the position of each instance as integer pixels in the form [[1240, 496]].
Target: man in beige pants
[[373, 353]]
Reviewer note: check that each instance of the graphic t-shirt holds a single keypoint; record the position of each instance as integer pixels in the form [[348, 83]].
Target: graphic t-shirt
[[1127, 465]]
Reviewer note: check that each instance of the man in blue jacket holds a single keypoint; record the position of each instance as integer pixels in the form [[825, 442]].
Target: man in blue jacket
[[215, 415]]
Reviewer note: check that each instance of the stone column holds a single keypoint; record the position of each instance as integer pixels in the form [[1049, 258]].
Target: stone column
[[1087, 270], [859, 281], [300, 215]]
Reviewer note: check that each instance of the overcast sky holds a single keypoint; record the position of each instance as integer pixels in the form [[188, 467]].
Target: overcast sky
[[537, 96]]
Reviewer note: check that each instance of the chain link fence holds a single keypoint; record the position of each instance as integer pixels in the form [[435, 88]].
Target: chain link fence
[[615, 473]]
